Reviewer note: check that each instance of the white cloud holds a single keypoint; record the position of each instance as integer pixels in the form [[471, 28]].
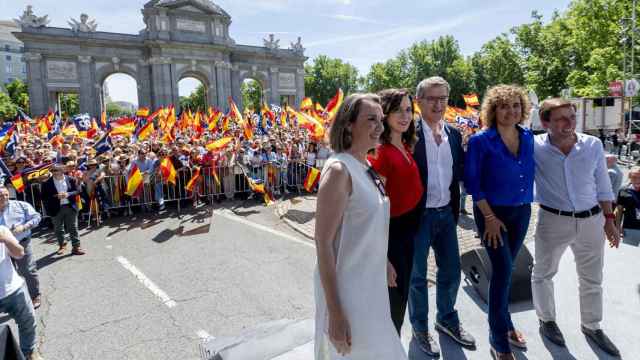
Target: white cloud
[[402, 32], [352, 18]]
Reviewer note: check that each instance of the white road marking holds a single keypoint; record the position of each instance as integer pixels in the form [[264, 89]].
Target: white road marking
[[109, 247], [229, 215], [146, 282], [204, 335]]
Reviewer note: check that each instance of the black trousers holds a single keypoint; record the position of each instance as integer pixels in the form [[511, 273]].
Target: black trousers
[[402, 231]]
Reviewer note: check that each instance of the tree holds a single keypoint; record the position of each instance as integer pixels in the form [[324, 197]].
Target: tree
[[196, 101], [8, 110], [326, 75], [497, 62], [19, 94], [441, 57], [114, 110], [69, 105], [251, 91]]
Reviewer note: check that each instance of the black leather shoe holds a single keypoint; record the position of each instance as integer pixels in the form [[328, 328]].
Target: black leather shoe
[[427, 343], [460, 335], [551, 331], [599, 337]]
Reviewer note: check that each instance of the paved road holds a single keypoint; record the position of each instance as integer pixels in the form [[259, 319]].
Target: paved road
[[150, 287]]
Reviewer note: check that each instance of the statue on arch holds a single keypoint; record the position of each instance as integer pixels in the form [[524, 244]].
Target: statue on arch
[[297, 47], [271, 43], [29, 19], [84, 25]]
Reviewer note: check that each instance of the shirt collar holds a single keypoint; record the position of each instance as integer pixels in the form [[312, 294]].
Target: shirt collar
[[426, 127], [493, 134]]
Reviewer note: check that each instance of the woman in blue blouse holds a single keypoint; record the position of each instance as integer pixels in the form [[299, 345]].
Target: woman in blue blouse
[[499, 172]]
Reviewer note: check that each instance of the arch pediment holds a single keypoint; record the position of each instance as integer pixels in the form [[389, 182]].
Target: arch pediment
[[195, 6]]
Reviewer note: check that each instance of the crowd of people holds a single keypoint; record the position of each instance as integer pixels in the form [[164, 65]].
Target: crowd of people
[[380, 212]]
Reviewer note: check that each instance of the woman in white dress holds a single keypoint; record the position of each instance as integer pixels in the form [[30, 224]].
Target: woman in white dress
[[352, 222]]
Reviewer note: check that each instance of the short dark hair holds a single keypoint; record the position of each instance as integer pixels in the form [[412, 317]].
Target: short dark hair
[[390, 100], [549, 105]]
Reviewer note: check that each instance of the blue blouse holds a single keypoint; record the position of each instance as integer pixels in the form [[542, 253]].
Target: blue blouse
[[493, 173]]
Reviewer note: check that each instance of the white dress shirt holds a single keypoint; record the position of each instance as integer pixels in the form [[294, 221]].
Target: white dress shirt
[[61, 186], [574, 182], [439, 167]]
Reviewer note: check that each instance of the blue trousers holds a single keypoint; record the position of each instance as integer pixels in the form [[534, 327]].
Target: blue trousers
[[19, 307], [437, 229], [516, 220]]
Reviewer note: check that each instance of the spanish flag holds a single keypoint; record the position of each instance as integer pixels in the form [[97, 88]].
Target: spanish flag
[[145, 131], [214, 118], [56, 141], [334, 104], [306, 104], [315, 127], [219, 144], [259, 188], [283, 118], [18, 184], [79, 202], [103, 119], [167, 138], [313, 176], [417, 113], [124, 126], [142, 112], [168, 171], [471, 99], [70, 130], [194, 179], [134, 184], [234, 113], [225, 123], [42, 126]]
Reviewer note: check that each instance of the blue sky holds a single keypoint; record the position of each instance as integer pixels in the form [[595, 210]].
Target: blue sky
[[362, 32]]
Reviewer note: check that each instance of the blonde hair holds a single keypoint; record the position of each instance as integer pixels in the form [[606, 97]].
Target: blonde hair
[[499, 94], [340, 137]]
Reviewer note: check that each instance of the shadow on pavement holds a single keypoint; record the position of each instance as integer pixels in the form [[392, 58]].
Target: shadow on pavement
[[50, 259], [557, 352], [299, 216], [514, 308]]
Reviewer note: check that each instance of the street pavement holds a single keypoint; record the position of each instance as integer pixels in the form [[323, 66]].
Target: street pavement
[[152, 286]]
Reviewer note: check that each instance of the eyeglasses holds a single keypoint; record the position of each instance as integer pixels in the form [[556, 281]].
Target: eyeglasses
[[436, 99], [377, 181]]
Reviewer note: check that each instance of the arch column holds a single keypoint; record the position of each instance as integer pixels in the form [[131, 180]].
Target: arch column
[[274, 82], [299, 86], [235, 85], [38, 97]]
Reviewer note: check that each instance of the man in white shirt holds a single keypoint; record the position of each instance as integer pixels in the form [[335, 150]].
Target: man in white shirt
[[14, 296], [575, 195], [440, 159]]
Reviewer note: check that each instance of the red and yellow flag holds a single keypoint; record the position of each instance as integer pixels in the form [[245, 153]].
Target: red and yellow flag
[[214, 118], [219, 144], [70, 130], [194, 179], [471, 99], [134, 184], [142, 112], [334, 104], [310, 182], [18, 184], [234, 113], [145, 131], [124, 126], [168, 171], [103, 119], [306, 104]]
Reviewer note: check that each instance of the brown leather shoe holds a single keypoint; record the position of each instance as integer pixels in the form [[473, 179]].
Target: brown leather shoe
[[77, 250], [62, 249], [36, 302], [501, 356]]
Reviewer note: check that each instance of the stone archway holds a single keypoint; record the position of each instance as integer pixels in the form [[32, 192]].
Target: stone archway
[[104, 71]]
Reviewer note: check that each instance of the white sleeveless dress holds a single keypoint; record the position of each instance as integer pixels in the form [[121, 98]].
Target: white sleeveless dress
[[361, 265]]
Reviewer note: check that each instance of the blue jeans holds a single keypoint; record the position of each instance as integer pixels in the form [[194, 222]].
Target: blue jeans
[[516, 220], [437, 230], [19, 307], [158, 189]]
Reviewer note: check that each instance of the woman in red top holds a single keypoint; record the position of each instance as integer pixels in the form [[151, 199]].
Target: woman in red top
[[393, 161]]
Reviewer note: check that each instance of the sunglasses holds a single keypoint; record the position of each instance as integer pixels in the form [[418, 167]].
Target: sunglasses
[[377, 181]]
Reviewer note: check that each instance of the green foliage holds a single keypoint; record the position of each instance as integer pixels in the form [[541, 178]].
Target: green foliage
[[114, 110], [497, 62], [196, 101], [69, 105], [19, 94], [251, 91], [8, 110], [326, 75]]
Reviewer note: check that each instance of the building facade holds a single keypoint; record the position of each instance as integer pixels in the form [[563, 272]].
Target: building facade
[[11, 65], [182, 38]]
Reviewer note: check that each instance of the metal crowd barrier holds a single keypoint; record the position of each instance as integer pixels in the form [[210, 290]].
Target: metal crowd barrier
[[220, 182]]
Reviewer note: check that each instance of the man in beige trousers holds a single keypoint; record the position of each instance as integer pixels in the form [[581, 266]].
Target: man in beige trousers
[[575, 196]]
